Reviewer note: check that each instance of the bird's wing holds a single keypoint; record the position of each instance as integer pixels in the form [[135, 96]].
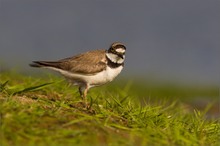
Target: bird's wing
[[87, 63]]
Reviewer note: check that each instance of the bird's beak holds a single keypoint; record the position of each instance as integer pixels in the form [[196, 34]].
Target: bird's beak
[[121, 56]]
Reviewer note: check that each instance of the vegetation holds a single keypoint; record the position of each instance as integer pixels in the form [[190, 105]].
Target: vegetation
[[45, 110]]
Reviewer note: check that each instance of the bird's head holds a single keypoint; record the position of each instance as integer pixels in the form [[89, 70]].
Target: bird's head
[[116, 53]]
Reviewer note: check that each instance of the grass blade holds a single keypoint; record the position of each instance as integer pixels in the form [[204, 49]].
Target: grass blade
[[2, 86], [33, 88]]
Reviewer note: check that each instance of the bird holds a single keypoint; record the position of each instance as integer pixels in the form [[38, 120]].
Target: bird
[[89, 69]]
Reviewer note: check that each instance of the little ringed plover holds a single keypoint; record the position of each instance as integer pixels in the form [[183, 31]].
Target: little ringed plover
[[89, 69]]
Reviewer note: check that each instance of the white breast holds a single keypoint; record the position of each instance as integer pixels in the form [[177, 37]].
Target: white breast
[[92, 80], [103, 77]]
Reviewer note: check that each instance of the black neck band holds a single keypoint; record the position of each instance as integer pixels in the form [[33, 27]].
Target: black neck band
[[113, 64]]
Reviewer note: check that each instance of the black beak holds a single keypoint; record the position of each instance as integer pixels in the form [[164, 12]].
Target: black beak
[[121, 56]]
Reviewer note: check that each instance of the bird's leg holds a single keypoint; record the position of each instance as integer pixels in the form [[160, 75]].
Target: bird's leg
[[83, 92]]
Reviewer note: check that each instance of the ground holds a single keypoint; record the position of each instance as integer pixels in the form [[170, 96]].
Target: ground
[[45, 110]]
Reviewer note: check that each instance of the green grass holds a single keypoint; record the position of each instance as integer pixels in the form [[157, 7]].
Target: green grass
[[39, 110]]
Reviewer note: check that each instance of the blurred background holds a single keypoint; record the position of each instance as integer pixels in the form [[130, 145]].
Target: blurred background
[[171, 41]]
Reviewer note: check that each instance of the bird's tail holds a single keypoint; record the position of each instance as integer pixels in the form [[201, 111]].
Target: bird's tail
[[45, 64]]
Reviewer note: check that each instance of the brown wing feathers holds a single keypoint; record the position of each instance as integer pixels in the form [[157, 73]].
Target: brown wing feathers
[[89, 62]]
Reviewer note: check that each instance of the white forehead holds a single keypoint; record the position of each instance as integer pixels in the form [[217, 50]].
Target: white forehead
[[120, 50]]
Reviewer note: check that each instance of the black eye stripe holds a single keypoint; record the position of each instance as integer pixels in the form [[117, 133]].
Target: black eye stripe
[[115, 52], [119, 53], [113, 48]]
